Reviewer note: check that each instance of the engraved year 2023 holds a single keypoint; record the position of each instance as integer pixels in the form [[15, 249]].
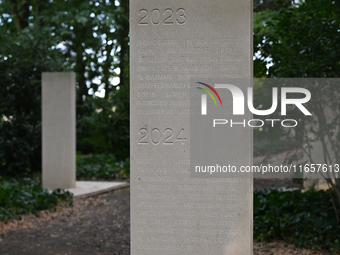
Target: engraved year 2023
[[167, 17]]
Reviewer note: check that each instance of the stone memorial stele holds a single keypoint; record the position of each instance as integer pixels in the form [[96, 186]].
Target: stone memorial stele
[[173, 42], [58, 130]]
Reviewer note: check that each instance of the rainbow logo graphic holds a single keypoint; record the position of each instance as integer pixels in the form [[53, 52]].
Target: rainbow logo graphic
[[204, 97]]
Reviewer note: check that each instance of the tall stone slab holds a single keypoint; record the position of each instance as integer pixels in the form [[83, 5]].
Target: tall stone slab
[[173, 42], [58, 130]]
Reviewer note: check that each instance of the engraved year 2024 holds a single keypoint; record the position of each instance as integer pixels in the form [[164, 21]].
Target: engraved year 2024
[[156, 137]]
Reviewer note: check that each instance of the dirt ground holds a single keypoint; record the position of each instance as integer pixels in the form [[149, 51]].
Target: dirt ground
[[95, 226]]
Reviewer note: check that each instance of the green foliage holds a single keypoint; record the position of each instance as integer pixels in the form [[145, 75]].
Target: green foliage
[[87, 37], [262, 27], [85, 31], [305, 219], [20, 104], [105, 129], [25, 196], [101, 167], [301, 41]]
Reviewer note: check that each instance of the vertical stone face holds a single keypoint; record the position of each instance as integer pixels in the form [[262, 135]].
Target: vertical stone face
[[173, 42], [58, 130]]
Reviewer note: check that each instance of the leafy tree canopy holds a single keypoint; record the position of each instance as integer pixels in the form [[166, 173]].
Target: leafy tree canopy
[[87, 37]]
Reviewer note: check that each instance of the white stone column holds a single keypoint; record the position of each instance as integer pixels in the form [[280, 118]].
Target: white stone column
[[58, 130], [172, 42]]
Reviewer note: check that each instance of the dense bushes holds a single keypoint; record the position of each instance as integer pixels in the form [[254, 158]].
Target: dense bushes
[[305, 219], [105, 127], [101, 167], [24, 196], [20, 104]]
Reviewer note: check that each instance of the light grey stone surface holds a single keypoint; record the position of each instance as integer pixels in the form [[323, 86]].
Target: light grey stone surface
[[58, 130], [92, 188], [171, 43]]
